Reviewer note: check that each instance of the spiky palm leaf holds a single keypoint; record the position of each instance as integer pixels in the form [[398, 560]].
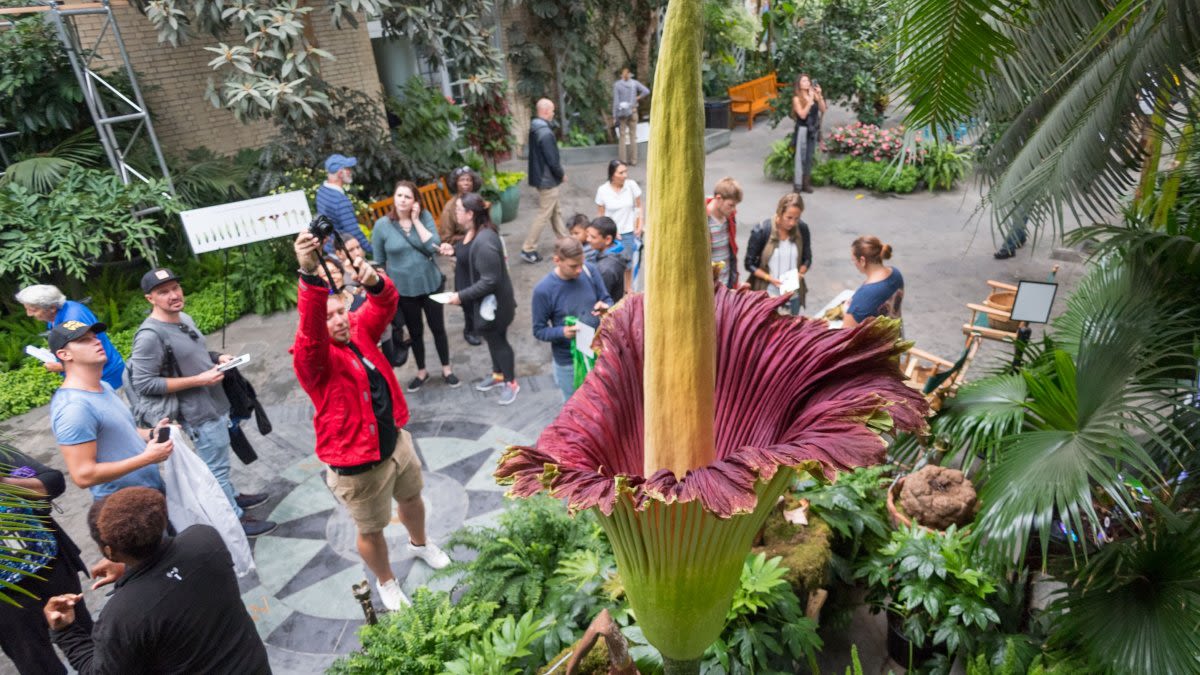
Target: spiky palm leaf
[[1068, 75], [1135, 605], [41, 172]]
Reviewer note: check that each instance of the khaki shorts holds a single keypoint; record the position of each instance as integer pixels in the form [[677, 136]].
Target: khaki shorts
[[369, 495]]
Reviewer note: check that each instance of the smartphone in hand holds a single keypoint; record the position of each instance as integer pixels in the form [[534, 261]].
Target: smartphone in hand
[[162, 434]]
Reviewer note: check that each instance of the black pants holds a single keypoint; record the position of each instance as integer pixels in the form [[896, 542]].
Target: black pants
[[461, 280], [24, 634], [409, 315], [503, 359]]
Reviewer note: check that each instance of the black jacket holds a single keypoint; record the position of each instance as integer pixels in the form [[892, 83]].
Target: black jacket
[[178, 612], [612, 271], [545, 169], [761, 234], [488, 274]]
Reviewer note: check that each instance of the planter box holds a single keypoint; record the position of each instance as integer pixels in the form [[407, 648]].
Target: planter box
[[600, 154]]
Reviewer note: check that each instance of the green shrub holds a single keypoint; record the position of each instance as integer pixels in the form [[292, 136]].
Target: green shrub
[[26, 388], [780, 163], [518, 558], [903, 182], [208, 309], [424, 128], [870, 173], [416, 640], [123, 340], [822, 173], [846, 173], [945, 165]]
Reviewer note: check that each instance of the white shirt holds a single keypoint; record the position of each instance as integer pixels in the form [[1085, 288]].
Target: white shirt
[[620, 206], [782, 260]]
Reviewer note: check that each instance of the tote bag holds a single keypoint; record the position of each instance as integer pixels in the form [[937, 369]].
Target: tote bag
[[194, 496]]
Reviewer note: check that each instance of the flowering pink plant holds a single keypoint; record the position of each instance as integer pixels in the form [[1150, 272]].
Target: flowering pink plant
[[864, 140]]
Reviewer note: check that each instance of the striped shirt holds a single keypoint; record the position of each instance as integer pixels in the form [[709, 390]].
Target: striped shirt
[[333, 203]]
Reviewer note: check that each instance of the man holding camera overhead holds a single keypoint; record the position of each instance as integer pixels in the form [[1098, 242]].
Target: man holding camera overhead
[[360, 411], [170, 359]]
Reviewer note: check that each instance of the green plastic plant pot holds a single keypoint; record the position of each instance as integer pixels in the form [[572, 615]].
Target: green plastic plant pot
[[510, 200]]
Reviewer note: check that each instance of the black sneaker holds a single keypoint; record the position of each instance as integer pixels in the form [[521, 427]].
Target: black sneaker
[[452, 380], [531, 257], [1004, 254], [415, 384], [251, 500], [472, 339], [254, 527]]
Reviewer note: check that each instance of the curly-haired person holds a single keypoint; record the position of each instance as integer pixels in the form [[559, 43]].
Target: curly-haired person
[[175, 609]]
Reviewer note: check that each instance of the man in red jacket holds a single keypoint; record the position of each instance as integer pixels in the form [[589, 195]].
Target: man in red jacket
[[361, 414]]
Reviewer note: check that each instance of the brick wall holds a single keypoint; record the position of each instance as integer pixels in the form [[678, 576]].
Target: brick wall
[[173, 79]]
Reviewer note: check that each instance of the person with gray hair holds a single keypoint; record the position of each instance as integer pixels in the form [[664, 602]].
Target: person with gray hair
[[46, 303]]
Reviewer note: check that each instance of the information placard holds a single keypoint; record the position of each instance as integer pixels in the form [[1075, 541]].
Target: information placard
[[227, 225]]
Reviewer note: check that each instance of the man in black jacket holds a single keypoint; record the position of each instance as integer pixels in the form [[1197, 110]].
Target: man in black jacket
[[546, 174], [176, 609]]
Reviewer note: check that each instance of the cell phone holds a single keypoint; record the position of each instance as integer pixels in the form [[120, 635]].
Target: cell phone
[[234, 363], [162, 434]]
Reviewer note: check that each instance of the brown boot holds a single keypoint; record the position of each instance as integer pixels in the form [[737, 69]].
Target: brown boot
[[807, 185]]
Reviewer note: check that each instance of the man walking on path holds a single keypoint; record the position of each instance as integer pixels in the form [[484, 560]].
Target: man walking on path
[[170, 358], [626, 94], [333, 203], [546, 174]]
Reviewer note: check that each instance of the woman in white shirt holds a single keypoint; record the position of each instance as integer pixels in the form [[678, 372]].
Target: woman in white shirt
[[620, 198]]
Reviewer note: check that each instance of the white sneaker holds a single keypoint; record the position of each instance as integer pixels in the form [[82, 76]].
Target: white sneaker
[[392, 596], [431, 554]]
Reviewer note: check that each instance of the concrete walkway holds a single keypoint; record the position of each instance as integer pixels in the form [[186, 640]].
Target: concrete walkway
[[300, 595]]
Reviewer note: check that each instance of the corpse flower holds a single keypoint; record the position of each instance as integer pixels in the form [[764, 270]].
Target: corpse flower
[[703, 404]]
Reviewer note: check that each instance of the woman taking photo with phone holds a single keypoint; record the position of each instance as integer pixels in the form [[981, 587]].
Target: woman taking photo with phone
[[491, 292], [808, 107], [405, 242]]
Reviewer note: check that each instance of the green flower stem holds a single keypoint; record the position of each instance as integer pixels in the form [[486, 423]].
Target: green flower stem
[[673, 667], [681, 565]]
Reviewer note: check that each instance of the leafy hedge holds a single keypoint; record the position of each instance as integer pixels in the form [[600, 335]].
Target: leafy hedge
[[26, 388], [850, 173]]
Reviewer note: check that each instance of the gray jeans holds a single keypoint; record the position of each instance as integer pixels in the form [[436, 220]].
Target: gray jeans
[[805, 145]]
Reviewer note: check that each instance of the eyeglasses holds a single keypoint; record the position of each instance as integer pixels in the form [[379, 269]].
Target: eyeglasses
[[183, 328]]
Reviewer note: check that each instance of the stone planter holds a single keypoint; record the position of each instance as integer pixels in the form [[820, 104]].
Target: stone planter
[[510, 201]]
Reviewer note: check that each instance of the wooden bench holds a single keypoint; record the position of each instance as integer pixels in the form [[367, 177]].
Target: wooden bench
[[751, 98], [433, 197]]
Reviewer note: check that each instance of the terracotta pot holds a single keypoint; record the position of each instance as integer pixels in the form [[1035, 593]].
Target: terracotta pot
[[898, 517]]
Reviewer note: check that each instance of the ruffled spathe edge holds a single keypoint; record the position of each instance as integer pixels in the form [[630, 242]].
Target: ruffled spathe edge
[[790, 393]]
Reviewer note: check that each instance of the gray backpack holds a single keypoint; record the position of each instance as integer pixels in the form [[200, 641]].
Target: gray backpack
[[148, 410]]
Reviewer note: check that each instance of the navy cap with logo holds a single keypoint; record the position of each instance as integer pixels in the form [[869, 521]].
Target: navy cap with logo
[[69, 331], [157, 277]]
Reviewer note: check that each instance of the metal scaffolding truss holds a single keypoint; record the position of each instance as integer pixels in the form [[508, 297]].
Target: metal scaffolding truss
[[113, 113]]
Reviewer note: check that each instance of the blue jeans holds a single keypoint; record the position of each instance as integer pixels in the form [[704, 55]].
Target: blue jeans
[[211, 440], [564, 377]]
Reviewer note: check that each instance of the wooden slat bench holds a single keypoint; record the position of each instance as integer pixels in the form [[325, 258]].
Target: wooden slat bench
[[752, 98]]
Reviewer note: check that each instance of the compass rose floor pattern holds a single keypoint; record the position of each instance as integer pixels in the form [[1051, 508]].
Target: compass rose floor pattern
[[299, 596]]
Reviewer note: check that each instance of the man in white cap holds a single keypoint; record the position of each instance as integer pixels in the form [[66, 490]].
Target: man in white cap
[[333, 203]]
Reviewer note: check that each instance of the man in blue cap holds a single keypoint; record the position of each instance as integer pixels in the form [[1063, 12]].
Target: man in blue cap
[[333, 203]]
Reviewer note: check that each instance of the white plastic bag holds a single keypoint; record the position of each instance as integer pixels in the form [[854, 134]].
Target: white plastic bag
[[194, 496]]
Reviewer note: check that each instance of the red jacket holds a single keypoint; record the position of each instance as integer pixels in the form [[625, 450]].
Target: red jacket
[[336, 381]]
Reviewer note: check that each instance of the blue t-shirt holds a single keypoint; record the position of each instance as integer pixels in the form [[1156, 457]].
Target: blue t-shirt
[[555, 298], [77, 311], [878, 298], [79, 416]]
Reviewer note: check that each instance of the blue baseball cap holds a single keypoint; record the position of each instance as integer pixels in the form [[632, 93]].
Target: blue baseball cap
[[335, 163]]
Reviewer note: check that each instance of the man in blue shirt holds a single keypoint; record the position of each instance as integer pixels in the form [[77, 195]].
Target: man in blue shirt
[[46, 303], [103, 448], [333, 203], [573, 288]]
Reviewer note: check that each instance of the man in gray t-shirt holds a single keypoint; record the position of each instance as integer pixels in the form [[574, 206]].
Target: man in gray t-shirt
[[102, 447], [170, 357]]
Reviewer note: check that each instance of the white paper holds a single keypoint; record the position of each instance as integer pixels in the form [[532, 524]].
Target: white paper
[[236, 362], [584, 334], [443, 298], [789, 282], [43, 355]]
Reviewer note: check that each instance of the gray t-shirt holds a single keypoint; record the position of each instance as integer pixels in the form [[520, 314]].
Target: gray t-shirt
[[81, 416], [197, 405]]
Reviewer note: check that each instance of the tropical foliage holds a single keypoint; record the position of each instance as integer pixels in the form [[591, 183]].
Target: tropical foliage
[[728, 26], [38, 91], [1072, 84]]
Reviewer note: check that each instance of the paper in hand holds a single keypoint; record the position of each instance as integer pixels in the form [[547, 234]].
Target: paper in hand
[[584, 334], [43, 355], [790, 282]]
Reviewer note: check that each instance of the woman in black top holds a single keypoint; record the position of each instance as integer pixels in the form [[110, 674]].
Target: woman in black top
[[808, 106], [47, 552], [491, 291]]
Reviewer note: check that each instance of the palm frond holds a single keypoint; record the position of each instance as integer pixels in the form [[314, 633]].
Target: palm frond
[[41, 172], [1135, 605], [946, 51]]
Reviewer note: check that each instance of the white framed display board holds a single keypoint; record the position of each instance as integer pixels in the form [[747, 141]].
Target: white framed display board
[[227, 225], [1033, 301]]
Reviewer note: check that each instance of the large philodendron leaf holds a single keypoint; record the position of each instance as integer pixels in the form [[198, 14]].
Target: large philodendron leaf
[[790, 393]]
